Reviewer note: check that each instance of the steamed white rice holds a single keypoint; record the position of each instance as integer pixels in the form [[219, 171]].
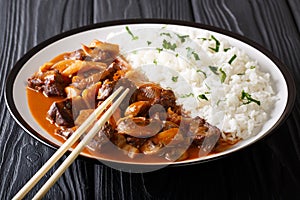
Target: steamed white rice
[[199, 70]]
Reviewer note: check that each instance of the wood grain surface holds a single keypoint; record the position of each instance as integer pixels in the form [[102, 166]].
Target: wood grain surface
[[269, 169]]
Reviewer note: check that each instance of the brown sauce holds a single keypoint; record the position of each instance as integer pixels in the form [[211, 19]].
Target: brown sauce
[[40, 104], [39, 112]]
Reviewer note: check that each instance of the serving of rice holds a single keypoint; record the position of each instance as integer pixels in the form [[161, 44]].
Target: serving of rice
[[209, 77]]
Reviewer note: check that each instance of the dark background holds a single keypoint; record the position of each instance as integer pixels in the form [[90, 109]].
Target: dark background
[[269, 169]]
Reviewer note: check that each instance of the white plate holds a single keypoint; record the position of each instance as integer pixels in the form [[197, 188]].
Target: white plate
[[71, 40]]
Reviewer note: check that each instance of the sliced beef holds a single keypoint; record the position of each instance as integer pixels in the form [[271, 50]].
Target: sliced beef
[[54, 84], [148, 92], [167, 99], [106, 89], [105, 134], [155, 95], [61, 113], [51, 83], [126, 83], [35, 82], [109, 72], [206, 136]]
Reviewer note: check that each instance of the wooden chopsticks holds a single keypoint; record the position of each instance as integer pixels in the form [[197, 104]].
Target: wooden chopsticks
[[67, 145]]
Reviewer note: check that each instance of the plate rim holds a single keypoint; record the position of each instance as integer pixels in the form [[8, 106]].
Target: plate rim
[[14, 71]]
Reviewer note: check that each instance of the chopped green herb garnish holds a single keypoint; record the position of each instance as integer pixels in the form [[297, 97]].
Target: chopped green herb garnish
[[159, 49], [187, 95], [195, 55], [166, 34], [252, 67], [223, 75], [240, 74], [232, 59], [155, 61], [168, 45], [199, 70], [216, 49], [202, 96], [226, 49], [214, 69], [149, 42], [177, 55], [182, 37], [190, 52], [174, 78], [134, 52], [130, 33], [246, 96], [204, 39]]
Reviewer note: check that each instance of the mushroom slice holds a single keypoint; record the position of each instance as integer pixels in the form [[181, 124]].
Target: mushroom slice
[[167, 136], [169, 125], [138, 108], [139, 126]]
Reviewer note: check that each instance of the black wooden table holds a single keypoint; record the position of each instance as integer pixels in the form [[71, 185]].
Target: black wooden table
[[269, 169]]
